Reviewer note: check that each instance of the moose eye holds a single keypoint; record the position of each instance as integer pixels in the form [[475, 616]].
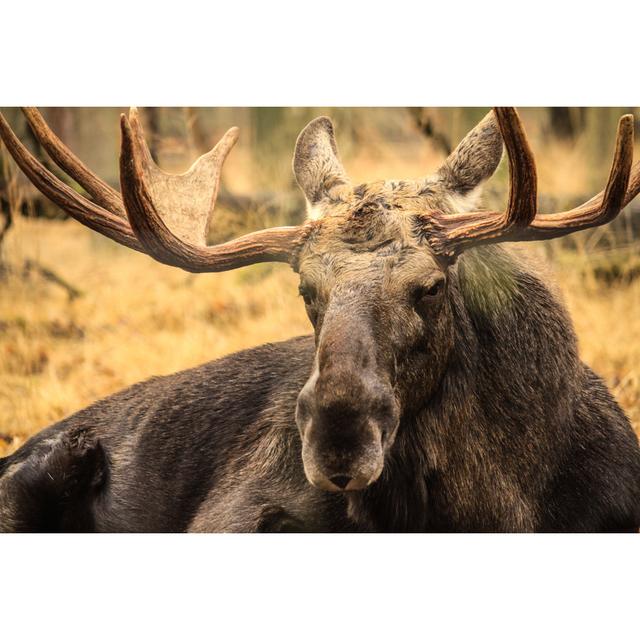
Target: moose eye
[[307, 292], [430, 292]]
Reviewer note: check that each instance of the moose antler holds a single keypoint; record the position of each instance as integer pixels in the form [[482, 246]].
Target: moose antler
[[166, 216], [450, 234]]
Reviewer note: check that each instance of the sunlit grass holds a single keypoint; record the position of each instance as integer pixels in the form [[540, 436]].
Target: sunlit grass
[[136, 318]]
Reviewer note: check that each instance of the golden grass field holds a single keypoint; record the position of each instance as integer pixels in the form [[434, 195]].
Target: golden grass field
[[137, 318]]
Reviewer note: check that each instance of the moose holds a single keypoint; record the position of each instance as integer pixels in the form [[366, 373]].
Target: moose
[[441, 390]]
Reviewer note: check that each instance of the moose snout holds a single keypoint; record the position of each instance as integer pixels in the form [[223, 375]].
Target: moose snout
[[346, 420]]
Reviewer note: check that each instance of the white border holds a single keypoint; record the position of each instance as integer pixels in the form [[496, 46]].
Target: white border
[[319, 53], [324, 53], [314, 586]]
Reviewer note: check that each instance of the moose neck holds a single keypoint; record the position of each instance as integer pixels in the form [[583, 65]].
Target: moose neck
[[514, 363], [401, 499]]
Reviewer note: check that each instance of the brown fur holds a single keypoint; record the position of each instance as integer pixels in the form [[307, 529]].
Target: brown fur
[[435, 395]]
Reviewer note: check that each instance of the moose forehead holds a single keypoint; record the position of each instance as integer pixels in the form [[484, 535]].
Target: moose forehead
[[373, 227]]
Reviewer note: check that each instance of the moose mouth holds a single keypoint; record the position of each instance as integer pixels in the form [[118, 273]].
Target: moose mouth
[[343, 472]]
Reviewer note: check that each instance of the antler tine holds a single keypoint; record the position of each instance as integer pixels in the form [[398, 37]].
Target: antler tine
[[523, 179], [633, 189], [452, 234], [83, 210], [100, 191], [185, 202], [275, 244], [167, 216], [621, 188]]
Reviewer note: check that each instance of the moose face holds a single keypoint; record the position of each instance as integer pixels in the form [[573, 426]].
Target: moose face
[[377, 296]]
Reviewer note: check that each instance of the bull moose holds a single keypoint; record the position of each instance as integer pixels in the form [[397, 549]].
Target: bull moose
[[441, 389]]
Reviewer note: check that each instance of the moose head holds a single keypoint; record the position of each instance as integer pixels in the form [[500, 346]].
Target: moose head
[[375, 260]]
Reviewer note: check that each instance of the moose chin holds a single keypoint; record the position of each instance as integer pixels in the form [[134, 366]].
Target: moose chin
[[441, 389]]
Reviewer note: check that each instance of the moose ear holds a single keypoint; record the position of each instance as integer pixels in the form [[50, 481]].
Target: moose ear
[[475, 159], [316, 166]]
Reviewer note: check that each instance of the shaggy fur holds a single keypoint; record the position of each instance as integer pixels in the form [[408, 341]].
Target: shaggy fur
[[441, 396]]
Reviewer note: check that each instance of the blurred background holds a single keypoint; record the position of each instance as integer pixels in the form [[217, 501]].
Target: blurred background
[[81, 317]]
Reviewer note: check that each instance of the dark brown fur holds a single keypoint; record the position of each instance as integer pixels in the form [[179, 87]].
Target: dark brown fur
[[434, 396]]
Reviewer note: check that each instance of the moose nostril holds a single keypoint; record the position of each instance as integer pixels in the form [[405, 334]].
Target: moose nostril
[[341, 481]]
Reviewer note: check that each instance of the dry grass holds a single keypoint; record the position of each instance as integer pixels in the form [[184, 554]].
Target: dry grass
[[138, 318], [607, 321]]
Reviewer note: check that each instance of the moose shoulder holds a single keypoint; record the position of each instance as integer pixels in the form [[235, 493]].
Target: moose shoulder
[[442, 389]]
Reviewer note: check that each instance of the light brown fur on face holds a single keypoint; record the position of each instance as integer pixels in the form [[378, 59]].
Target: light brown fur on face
[[370, 232], [375, 294], [368, 240], [381, 215]]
